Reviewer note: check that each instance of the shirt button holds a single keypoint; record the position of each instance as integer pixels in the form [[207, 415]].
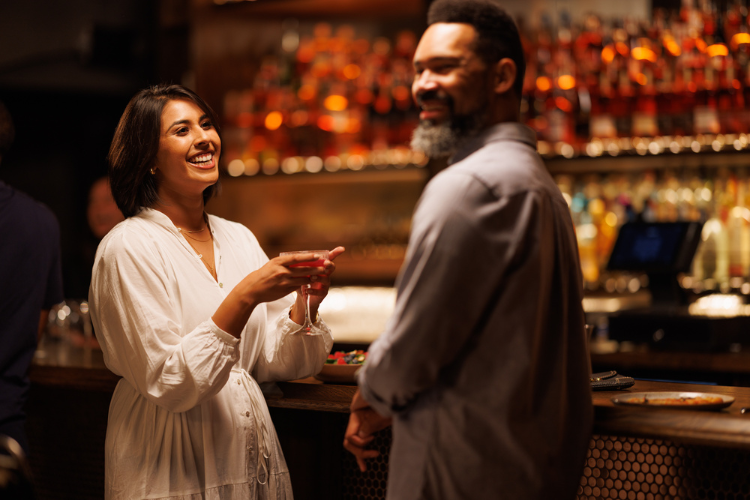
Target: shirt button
[[221, 285], [247, 413], [239, 383]]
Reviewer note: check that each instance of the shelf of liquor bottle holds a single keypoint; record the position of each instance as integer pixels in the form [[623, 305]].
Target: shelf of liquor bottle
[[715, 297], [637, 154]]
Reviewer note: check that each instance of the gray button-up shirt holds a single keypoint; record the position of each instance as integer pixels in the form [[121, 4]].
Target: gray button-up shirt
[[484, 364]]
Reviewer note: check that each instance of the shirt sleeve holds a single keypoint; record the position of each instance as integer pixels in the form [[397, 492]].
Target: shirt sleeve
[[141, 335], [463, 242], [287, 355]]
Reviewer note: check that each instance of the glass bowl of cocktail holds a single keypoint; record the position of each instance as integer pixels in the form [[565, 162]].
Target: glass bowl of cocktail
[[318, 260]]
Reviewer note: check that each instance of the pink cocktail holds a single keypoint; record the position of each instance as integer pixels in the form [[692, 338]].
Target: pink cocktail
[[308, 328], [311, 263]]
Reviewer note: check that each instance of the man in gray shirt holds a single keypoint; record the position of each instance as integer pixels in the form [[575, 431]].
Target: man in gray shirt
[[482, 369]]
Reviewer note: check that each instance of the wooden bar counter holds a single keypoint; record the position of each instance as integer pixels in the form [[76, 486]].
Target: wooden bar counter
[[638, 453]]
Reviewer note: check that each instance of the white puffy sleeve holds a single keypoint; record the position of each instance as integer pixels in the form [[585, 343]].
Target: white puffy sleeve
[[142, 338], [286, 355]]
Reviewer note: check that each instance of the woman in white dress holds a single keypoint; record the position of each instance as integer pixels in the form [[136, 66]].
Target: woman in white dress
[[193, 315]]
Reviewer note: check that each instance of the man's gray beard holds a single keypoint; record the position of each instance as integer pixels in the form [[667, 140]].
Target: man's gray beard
[[444, 139]]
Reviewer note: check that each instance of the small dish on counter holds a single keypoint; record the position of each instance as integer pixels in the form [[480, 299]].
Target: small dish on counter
[[676, 400]]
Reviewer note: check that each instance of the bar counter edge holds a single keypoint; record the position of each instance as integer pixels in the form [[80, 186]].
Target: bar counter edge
[[717, 428]]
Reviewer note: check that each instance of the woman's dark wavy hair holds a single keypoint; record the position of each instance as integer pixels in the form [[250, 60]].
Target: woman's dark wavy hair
[[136, 142], [497, 34]]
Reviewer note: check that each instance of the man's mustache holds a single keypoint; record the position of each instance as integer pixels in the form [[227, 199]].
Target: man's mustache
[[433, 95]]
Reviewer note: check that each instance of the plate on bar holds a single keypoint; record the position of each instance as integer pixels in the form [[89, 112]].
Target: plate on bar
[[680, 400]]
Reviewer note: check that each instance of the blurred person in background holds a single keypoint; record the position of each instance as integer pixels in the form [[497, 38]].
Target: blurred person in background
[[193, 315], [483, 369], [30, 284], [102, 213]]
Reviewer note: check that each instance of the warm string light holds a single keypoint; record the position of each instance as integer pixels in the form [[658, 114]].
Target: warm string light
[[403, 157], [397, 158], [643, 146]]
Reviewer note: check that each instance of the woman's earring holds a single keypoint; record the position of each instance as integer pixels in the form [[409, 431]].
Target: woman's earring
[[153, 170]]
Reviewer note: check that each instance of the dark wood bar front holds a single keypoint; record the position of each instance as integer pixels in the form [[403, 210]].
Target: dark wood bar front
[[634, 452]]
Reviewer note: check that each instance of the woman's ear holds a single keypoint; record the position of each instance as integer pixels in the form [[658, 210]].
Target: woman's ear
[[505, 75]]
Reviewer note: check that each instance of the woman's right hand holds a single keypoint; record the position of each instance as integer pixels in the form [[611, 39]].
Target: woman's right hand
[[276, 279], [271, 282]]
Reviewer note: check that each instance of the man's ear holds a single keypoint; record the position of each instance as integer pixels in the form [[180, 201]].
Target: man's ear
[[505, 75]]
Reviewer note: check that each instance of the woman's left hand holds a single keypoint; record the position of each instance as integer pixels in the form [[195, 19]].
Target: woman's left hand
[[318, 288]]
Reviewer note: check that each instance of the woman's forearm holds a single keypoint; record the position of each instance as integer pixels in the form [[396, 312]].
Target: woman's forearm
[[234, 312]]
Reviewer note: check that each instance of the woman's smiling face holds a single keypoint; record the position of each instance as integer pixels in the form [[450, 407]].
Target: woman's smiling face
[[189, 149]]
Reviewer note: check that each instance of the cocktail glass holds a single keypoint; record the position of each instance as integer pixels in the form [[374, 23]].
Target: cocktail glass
[[308, 328]]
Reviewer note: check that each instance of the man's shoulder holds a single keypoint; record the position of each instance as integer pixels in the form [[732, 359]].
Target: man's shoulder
[[23, 209], [506, 168], [508, 155]]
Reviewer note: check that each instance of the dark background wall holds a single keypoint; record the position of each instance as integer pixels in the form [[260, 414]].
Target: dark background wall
[[67, 70]]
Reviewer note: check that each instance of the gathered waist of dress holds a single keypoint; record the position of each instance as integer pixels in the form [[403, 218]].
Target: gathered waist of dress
[[262, 435]]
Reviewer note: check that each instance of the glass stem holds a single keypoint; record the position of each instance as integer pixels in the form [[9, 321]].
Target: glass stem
[[308, 323]]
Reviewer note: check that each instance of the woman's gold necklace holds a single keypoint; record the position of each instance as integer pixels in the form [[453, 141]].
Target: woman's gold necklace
[[211, 268], [193, 237]]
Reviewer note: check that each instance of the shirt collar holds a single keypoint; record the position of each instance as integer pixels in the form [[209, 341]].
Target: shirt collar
[[505, 131], [158, 217]]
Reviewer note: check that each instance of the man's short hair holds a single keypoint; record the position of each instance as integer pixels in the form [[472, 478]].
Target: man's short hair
[[7, 131], [497, 34]]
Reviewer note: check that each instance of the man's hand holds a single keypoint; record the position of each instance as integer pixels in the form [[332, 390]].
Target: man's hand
[[363, 423]]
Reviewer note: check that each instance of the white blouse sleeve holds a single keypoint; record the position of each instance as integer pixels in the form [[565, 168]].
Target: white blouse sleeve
[[286, 355], [140, 331]]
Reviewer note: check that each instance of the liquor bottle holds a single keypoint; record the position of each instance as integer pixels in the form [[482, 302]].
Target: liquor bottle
[[720, 57], [621, 104], [541, 100], [562, 116], [643, 63], [665, 71], [721, 275], [587, 53], [602, 121], [736, 227]]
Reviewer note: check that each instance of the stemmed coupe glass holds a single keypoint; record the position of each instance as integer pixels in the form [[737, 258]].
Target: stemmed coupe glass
[[308, 328]]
